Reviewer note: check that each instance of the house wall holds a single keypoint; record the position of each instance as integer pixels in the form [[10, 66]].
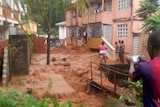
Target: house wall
[[118, 14], [127, 41], [8, 18], [68, 17], [115, 17], [137, 26], [135, 6], [62, 32], [30, 27], [107, 17]]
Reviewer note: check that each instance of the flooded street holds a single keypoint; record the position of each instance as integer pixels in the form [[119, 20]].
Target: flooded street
[[66, 78]]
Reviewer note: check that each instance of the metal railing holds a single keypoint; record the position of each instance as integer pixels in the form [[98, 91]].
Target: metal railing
[[107, 68]]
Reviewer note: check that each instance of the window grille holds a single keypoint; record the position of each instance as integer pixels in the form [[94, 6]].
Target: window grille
[[109, 7], [123, 4], [122, 31]]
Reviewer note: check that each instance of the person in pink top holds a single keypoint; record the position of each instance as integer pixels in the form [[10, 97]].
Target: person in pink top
[[102, 52]]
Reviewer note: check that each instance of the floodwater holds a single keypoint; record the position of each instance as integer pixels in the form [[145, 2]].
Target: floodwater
[[66, 78]]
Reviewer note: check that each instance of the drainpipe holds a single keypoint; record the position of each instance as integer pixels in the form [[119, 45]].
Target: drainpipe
[[102, 5], [101, 15], [131, 19]]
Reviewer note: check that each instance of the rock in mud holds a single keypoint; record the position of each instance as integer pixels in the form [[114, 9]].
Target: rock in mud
[[66, 64], [64, 59], [29, 90], [54, 59], [56, 64], [83, 72]]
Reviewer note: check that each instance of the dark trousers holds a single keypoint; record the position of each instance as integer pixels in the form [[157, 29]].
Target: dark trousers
[[121, 56]]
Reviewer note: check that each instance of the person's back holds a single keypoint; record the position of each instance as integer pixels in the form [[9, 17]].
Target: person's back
[[149, 72], [122, 47], [102, 52], [102, 47]]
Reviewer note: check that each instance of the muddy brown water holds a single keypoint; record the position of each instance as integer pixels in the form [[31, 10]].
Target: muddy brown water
[[65, 83]]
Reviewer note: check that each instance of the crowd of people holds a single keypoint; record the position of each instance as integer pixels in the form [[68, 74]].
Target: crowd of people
[[119, 46]]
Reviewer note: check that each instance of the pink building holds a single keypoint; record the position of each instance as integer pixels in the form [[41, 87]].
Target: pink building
[[111, 21]]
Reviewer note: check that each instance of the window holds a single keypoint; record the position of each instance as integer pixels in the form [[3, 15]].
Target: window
[[122, 31], [109, 7], [123, 4]]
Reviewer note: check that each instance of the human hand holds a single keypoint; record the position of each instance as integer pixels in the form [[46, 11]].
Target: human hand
[[134, 59], [129, 59]]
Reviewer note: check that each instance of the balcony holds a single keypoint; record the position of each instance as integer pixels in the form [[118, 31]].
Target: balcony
[[85, 19], [122, 14], [74, 21], [79, 19], [104, 17], [68, 22]]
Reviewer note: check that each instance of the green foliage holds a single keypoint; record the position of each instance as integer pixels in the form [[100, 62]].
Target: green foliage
[[55, 33], [42, 33], [150, 13], [45, 12], [152, 23], [15, 98], [137, 86], [122, 99], [147, 7], [112, 103]]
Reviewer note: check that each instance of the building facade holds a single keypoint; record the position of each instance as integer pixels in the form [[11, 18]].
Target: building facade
[[62, 32], [9, 17], [112, 20], [30, 27]]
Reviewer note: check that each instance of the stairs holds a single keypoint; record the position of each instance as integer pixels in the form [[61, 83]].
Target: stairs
[[111, 52]]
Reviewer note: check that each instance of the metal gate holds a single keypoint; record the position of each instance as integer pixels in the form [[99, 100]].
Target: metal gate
[[135, 45]]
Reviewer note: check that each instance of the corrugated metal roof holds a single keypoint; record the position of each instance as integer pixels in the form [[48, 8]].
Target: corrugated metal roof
[[61, 23]]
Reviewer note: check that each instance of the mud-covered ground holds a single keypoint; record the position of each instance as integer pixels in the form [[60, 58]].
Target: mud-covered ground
[[66, 78]]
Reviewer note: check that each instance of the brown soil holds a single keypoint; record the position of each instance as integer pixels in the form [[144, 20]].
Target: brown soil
[[65, 83]]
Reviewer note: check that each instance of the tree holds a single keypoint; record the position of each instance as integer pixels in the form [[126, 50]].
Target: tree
[[147, 7], [150, 13], [39, 12], [152, 23]]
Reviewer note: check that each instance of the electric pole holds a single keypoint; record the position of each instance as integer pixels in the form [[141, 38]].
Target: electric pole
[[49, 31]]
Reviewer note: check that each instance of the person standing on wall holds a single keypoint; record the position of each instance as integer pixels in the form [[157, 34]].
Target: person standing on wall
[[102, 52], [119, 44], [85, 36], [121, 52], [149, 72], [117, 51]]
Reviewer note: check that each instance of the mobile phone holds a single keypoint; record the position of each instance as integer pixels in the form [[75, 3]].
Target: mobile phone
[[136, 58]]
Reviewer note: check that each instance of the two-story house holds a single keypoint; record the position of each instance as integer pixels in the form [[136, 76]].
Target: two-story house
[[9, 17], [111, 21]]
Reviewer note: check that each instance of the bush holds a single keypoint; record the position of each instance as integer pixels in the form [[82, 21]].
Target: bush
[[15, 98]]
